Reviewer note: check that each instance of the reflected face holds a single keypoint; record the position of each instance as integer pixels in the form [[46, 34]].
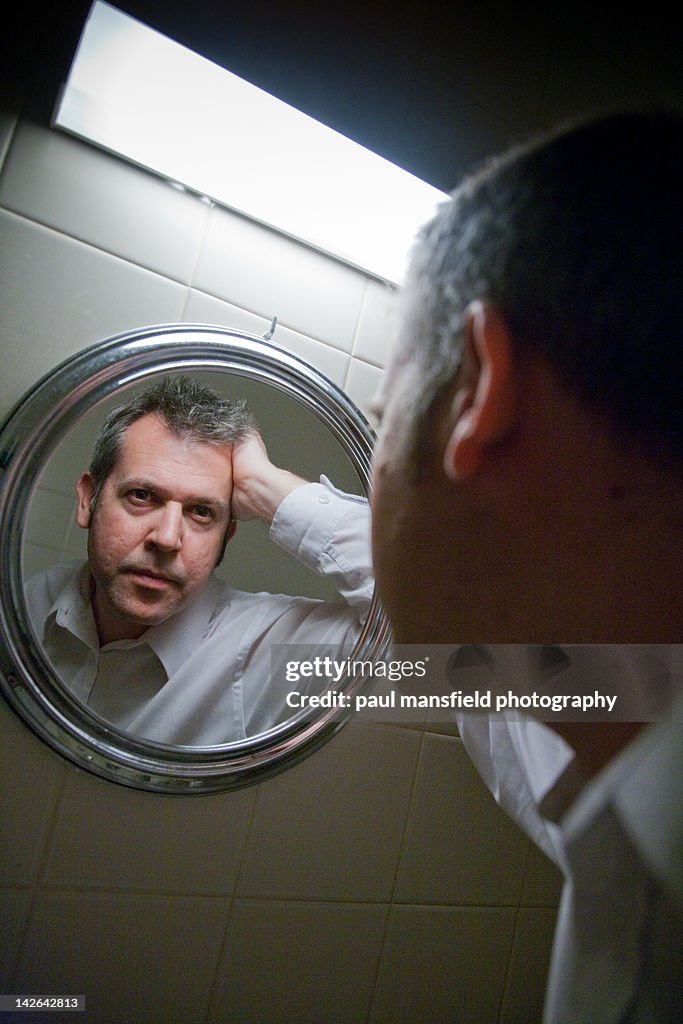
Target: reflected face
[[158, 527]]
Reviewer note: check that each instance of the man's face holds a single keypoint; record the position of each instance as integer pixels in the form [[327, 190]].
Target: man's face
[[435, 526], [158, 528], [407, 512], [461, 549]]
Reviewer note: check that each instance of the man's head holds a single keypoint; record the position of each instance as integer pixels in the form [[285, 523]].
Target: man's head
[[187, 408], [543, 306], [156, 501]]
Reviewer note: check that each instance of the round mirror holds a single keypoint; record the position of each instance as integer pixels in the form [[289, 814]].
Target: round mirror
[[311, 428]]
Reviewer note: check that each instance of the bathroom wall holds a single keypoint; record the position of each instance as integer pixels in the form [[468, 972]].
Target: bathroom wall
[[377, 881]]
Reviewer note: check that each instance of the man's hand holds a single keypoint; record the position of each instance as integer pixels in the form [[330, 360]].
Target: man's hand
[[258, 486]]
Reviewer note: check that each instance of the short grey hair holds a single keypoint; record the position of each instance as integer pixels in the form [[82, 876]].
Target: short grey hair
[[189, 409], [576, 239]]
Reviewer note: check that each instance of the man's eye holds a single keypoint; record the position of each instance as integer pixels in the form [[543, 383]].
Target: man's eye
[[139, 495], [202, 512]]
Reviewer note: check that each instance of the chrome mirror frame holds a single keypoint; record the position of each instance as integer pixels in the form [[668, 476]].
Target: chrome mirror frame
[[27, 437]]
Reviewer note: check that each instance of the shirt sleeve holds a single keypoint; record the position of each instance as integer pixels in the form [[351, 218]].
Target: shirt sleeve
[[492, 743], [329, 532]]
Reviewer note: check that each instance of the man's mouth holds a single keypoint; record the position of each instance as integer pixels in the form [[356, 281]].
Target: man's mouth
[[151, 577]]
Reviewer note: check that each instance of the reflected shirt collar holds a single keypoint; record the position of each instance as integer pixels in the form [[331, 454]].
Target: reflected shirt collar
[[170, 640], [72, 610]]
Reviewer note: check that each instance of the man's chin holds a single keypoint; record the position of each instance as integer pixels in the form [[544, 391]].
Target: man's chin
[[153, 617], [137, 619]]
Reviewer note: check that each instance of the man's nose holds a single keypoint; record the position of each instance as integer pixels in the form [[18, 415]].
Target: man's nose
[[167, 531]]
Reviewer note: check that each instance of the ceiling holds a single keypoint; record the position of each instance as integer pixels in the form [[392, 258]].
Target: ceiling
[[432, 86]]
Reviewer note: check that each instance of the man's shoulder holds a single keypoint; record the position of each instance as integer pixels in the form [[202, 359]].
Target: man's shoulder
[[44, 587], [225, 598]]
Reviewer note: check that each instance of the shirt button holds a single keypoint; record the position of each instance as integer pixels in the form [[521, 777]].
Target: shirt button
[[324, 499]]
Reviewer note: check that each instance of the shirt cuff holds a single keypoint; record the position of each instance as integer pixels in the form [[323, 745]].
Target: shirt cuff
[[308, 518]]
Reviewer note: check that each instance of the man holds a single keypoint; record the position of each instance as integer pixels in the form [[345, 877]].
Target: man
[[530, 462], [144, 633]]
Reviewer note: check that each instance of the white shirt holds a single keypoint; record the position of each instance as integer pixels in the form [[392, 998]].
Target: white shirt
[[203, 676], [618, 838]]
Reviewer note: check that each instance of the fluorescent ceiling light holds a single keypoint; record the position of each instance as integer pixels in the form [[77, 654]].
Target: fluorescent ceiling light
[[137, 93]]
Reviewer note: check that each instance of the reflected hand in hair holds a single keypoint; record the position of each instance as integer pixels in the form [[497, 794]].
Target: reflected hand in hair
[[258, 485]]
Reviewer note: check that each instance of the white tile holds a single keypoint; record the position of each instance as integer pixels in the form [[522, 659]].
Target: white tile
[[37, 557], [63, 467], [299, 963], [377, 324], [527, 977], [49, 517], [437, 722], [108, 836], [32, 776], [71, 456], [50, 524], [460, 847], [75, 542], [135, 958], [88, 194], [13, 916], [202, 308], [270, 275], [58, 296], [443, 964], [362, 383], [543, 881], [331, 827]]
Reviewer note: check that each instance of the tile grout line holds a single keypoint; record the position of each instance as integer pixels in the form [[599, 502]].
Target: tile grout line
[[201, 242], [214, 989], [391, 903], [37, 887], [508, 966]]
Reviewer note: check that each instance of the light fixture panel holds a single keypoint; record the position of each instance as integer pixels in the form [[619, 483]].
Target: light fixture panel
[[139, 94]]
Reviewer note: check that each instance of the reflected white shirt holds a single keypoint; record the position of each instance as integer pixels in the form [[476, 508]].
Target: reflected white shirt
[[618, 839], [203, 676]]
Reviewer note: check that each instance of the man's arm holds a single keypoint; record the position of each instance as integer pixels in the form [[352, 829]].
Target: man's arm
[[325, 529], [258, 486]]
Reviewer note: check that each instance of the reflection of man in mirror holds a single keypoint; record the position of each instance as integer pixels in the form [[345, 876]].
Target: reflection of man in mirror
[[144, 632], [530, 460]]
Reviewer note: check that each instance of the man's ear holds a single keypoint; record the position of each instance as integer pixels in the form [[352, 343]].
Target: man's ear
[[85, 488], [485, 404]]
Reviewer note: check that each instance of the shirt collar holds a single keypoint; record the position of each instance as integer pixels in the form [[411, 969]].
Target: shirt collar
[[644, 787], [174, 639], [171, 641], [72, 610], [649, 800]]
